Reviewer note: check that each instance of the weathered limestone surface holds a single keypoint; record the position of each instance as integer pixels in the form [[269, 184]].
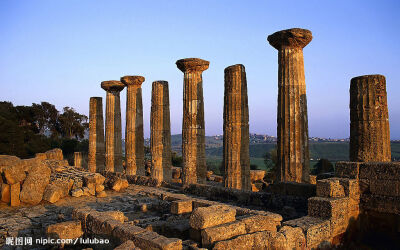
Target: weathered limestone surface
[[293, 153], [96, 158], [134, 137], [113, 126], [160, 126], [204, 217], [236, 155], [369, 119], [193, 129]]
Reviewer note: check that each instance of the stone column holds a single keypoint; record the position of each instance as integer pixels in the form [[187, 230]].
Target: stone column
[[78, 159], [193, 131], [293, 154], [369, 119], [134, 137], [96, 135], [160, 139], [113, 126], [236, 156]]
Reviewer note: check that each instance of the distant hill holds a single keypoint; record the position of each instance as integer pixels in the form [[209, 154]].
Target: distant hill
[[331, 149]]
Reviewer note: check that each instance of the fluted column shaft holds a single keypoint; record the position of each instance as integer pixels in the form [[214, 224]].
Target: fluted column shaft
[[160, 139], [292, 121], [113, 132], [134, 135], [236, 158], [293, 151], [193, 129], [369, 119], [78, 159], [96, 158]]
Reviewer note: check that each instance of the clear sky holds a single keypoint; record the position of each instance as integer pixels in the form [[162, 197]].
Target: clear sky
[[60, 51]]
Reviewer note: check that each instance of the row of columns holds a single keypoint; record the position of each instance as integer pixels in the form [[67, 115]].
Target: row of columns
[[369, 139]]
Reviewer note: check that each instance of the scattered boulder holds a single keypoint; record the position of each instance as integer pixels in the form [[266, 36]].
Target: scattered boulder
[[176, 172], [5, 193], [101, 194], [77, 192], [15, 190], [257, 175], [35, 183], [14, 173]]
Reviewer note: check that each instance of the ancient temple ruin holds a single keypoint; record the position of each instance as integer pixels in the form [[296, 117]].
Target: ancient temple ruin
[[192, 208]]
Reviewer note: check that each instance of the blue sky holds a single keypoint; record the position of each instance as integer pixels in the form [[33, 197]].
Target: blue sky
[[60, 51]]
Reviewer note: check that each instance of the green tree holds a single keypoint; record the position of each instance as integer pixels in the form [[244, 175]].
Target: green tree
[[323, 166], [46, 119], [176, 159], [73, 124]]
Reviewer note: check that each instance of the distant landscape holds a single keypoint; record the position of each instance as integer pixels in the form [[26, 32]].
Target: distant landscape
[[331, 149]]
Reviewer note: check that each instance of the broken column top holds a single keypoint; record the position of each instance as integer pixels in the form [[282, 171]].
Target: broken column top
[[132, 80], [292, 38], [354, 79], [161, 82], [112, 85], [96, 98], [236, 67], [192, 64]]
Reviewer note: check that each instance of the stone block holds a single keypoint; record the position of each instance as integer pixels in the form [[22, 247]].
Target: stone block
[[81, 214], [5, 193], [317, 231], [330, 188], [294, 237], [15, 190], [380, 170], [385, 187], [152, 240], [258, 240], [215, 215], [327, 207], [379, 203], [181, 206], [347, 169], [258, 223], [126, 231], [65, 230], [222, 232], [109, 225], [127, 245], [35, 183], [54, 154], [351, 187]]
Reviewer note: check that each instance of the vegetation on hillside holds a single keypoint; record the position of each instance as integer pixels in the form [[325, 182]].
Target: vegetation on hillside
[[27, 130]]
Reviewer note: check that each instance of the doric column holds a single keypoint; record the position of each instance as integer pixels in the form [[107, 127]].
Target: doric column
[[134, 137], [236, 158], [160, 139], [78, 159], [193, 131], [369, 119], [96, 135], [293, 154], [113, 126]]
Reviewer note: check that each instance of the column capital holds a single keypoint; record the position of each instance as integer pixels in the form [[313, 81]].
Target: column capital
[[132, 80], [290, 38], [192, 65], [112, 86]]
